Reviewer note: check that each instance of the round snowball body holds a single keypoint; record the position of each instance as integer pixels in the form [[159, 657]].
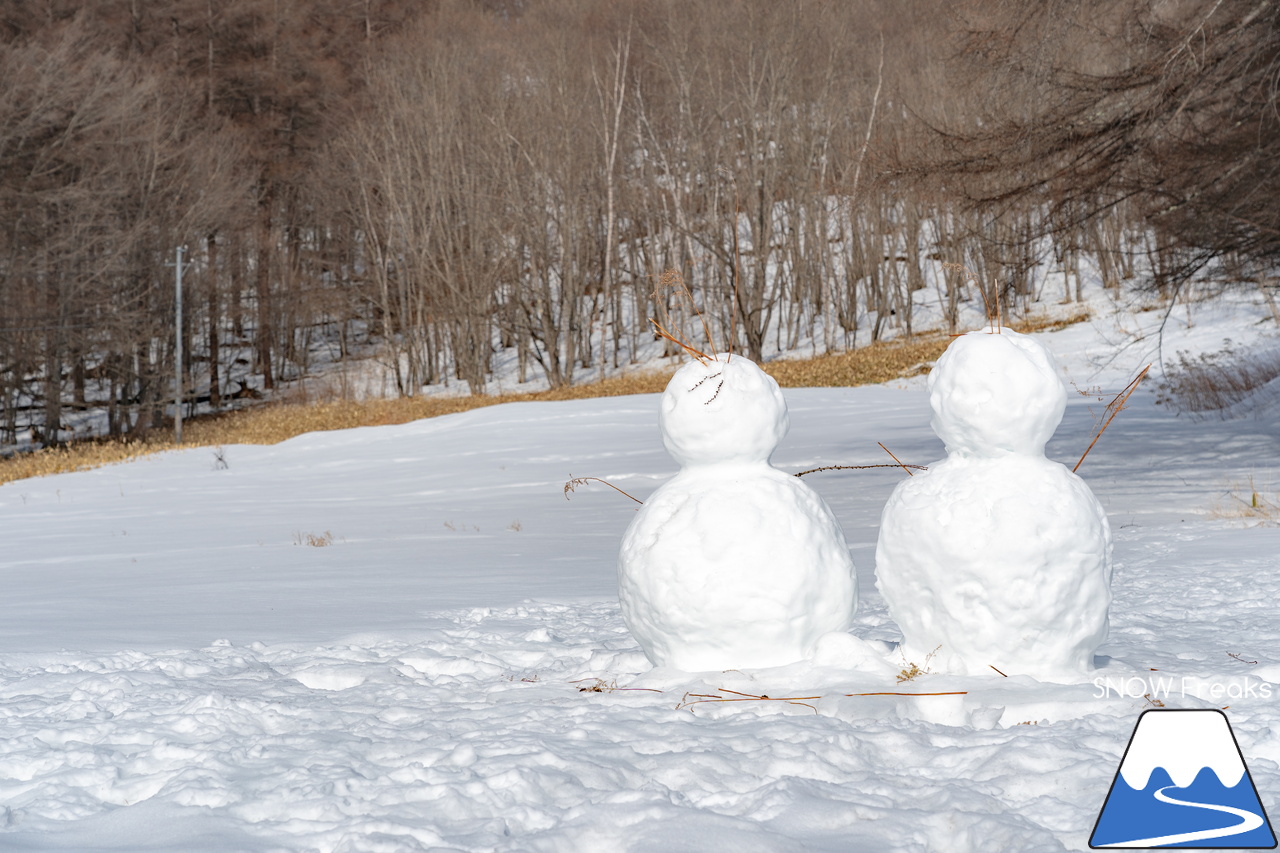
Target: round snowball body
[[734, 566], [1001, 563], [993, 394], [731, 564], [722, 411]]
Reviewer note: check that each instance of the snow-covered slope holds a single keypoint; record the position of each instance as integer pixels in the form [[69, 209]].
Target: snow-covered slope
[[406, 638]]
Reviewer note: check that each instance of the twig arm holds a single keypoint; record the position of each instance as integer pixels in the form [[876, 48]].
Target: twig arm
[[860, 468], [895, 459], [1115, 407], [582, 481]]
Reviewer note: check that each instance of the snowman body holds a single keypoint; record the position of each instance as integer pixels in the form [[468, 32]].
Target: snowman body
[[996, 557], [731, 563]]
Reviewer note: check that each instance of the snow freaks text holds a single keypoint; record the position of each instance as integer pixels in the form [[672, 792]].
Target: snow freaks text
[[1162, 687]]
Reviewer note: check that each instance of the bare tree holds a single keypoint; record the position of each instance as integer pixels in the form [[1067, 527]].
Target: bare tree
[[1171, 106]]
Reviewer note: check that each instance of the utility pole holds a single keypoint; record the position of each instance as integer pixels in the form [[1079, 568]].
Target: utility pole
[[177, 356]]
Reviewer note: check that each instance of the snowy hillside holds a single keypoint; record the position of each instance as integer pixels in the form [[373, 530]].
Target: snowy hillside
[[406, 638]]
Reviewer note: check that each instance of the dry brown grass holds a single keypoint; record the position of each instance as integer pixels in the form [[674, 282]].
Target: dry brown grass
[[272, 424], [1027, 325], [864, 366], [887, 361], [315, 540], [912, 670], [1215, 383], [1251, 503]]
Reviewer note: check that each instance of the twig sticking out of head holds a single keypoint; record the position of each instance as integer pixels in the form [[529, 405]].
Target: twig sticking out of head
[[672, 280], [574, 482], [1115, 407], [895, 459], [689, 348], [860, 468]]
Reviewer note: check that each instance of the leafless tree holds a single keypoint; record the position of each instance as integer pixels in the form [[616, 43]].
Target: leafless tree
[[1170, 107]]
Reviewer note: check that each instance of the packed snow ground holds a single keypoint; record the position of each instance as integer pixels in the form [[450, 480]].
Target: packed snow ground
[[379, 640]]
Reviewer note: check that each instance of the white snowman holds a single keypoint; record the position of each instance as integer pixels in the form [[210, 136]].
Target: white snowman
[[997, 557], [732, 563]]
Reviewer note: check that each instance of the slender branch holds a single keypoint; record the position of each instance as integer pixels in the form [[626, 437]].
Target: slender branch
[[707, 698], [582, 481], [860, 467], [714, 698], [895, 459], [696, 353], [888, 693], [763, 696], [672, 280], [1115, 407]]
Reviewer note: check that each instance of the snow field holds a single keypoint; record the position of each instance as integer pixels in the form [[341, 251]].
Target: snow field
[[176, 674], [446, 744]]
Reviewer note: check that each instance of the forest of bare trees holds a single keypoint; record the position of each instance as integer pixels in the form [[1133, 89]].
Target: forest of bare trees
[[436, 181]]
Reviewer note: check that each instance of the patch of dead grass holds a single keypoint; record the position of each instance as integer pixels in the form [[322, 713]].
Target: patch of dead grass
[[1215, 383], [272, 424], [1045, 323], [868, 365], [1250, 503]]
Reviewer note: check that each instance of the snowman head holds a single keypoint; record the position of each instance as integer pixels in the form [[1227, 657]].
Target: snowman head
[[995, 394], [724, 410]]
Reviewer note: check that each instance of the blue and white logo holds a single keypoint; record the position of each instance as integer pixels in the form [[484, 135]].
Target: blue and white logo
[[1183, 783]]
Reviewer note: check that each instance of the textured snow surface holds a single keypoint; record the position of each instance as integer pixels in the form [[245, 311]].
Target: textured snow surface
[[176, 674], [477, 739], [997, 558], [732, 563], [999, 563]]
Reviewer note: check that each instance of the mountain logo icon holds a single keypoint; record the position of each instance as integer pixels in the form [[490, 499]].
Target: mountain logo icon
[[1183, 783]]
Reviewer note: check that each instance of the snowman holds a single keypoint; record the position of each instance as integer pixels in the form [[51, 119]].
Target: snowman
[[996, 557], [731, 563]]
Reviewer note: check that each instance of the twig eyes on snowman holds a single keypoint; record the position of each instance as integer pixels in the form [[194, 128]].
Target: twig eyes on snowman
[[718, 386]]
